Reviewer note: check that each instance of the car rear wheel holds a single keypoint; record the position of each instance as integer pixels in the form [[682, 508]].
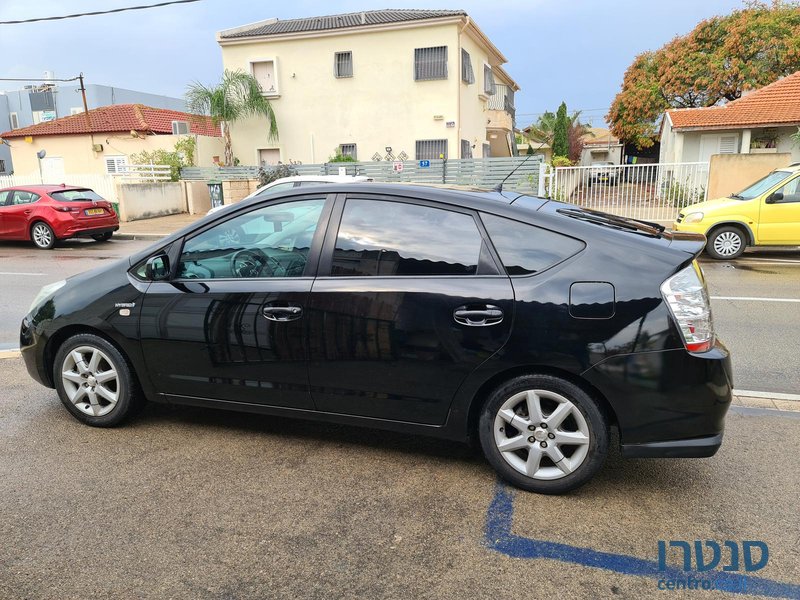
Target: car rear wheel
[[103, 237], [726, 243], [95, 381], [42, 236], [543, 434]]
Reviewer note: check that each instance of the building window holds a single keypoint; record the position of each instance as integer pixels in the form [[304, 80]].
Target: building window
[[2, 166], [343, 64], [431, 149], [487, 150], [76, 110], [467, 74], [180, 128], [14, 120], [488, 80], [430, 63], [348, 150], [466, 149], [266, 74], [115, 165]]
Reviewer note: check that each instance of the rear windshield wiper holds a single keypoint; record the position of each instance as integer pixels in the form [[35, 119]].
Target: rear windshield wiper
[[607, 219]]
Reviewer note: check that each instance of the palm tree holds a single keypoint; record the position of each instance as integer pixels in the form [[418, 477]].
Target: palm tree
[[238, 95], [544, 127]]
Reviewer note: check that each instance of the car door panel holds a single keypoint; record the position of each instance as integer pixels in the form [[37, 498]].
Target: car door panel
[[390, 346], [17, 214], [779, 221]]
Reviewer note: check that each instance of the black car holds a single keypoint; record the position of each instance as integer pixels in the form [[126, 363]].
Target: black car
[[530, 325]]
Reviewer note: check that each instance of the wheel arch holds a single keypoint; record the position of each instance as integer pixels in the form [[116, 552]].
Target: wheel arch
[[751, 239], [60, 336], [497, 379]]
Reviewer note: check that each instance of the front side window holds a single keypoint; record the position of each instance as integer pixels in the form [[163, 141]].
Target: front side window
[[789, 192], [385, 238], [4, 197], [430, 63], [273, 241], [526, 249]]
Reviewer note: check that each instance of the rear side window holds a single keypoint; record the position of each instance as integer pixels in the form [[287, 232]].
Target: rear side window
[[384, 238], [21, 197], [526, 249]]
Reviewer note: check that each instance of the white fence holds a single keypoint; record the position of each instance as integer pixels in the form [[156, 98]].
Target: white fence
[[147, 173], [654, 192]]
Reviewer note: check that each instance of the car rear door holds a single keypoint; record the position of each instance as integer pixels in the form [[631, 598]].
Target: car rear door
[[409, 300], [231, 324]]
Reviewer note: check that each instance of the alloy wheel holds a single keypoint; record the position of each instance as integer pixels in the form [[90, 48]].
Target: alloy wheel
[[727, 243], [541, 434], [90, 380], [42, 236]]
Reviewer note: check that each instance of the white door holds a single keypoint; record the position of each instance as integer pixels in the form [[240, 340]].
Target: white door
[[53, 169], [269, 156], [726, 143]]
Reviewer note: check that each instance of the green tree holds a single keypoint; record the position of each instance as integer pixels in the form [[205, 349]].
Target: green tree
[[560, 132], [715, 62], [237, 96]]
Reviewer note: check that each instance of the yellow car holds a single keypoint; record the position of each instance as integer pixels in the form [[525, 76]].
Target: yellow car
[[765, 214]]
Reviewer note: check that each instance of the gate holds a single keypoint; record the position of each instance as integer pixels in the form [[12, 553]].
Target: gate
[[652, 192]]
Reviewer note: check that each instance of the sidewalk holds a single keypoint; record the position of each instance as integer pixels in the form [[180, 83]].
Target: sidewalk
[[153, 229]]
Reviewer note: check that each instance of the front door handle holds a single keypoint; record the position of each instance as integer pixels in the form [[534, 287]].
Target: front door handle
[[478, 315], [282, 313]]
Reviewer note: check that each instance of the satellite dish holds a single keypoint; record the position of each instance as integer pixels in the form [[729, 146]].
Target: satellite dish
[[41, 154]]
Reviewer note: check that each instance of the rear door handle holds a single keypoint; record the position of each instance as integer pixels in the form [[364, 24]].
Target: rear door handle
[[478, 316], [282, 313]]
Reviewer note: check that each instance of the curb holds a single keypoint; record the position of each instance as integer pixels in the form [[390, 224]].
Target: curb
[[139, 236], [10, 354]]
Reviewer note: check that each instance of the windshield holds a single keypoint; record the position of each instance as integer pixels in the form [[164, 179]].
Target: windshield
[[76, 196], [762, 185]]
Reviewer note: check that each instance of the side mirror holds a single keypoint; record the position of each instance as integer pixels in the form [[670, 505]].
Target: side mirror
[[157, 267], [774, 197]]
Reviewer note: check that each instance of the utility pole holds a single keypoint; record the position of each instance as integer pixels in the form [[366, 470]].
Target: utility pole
[[86, 109]]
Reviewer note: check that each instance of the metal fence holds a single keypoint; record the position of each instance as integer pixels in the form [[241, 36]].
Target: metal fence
[[654, 192], [478, 172]]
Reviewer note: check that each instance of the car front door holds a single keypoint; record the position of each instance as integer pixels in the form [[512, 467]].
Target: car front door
[[16, 214], [779, 219], [230, 324], [409, 300], [5, 196]]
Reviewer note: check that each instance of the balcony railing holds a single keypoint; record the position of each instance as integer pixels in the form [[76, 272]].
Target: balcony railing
[[503, 99]]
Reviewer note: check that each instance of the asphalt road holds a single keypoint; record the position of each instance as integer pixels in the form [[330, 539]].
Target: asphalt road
[[762, 334], [187, 503]]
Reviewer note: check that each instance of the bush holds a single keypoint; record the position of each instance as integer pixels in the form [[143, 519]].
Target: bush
[[271, 173], [561, 161], [339, 157]]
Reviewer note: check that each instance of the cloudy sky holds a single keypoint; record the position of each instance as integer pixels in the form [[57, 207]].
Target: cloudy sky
[[571, 50]]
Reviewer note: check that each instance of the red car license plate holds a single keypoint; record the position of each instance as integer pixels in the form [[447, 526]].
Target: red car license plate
[[94, 211]]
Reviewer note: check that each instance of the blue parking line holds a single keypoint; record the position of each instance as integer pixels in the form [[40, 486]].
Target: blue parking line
[[500, 538]]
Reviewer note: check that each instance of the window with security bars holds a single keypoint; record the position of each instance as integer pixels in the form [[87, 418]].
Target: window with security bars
[[466, 149], [431, 149], [343, 64], [487, 150], [348, 150], [430, 63], [488, 81], [467, 74]]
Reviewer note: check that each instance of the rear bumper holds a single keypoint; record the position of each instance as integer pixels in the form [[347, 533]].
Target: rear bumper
[[702, 447], [95, 231]]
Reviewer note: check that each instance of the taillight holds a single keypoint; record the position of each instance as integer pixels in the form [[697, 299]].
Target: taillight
[[687, 298], [66, 209]]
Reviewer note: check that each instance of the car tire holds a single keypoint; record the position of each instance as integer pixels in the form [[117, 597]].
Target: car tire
[[103, 237], [557, 458], [726, 243], [95, 381], [42, 235]]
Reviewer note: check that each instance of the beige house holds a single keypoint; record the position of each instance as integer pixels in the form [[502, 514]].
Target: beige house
[[375, 85], [102, 140], [600, 146], [761, 122]]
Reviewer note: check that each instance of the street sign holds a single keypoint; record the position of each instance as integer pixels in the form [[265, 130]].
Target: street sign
[[424, 164], [397, 167]]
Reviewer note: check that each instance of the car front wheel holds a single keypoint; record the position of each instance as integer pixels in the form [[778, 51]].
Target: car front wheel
[[543, 434], [95, 381], [726, 243]]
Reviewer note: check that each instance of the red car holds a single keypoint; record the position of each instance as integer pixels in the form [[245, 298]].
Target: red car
[[46, 214]]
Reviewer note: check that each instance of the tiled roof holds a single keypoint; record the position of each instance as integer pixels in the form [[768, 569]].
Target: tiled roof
[[119, 117], [356, 19], [776, 104]]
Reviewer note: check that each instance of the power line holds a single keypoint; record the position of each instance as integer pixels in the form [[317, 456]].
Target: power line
[[37, 79], [98, 12]]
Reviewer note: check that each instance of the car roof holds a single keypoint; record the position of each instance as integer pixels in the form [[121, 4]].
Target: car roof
[[792, 168], [45, 188], [324, 178]]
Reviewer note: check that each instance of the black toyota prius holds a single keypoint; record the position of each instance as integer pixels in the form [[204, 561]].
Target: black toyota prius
[[529, 325]]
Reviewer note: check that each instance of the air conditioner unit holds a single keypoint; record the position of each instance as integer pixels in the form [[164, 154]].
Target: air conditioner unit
[[97, 147], [180, 128]]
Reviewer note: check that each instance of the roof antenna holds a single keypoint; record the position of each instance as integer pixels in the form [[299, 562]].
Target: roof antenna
[[499, 186]]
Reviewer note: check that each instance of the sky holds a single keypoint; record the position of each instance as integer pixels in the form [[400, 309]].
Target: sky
[[569, 50]]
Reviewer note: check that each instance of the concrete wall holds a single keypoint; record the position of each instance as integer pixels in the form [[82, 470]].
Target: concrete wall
[[238, 189], [198, 200], [147, 200], [731, 173], [380, 106], [79, 158]]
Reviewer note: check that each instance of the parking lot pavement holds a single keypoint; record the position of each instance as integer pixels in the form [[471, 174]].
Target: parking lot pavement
[[185, 503]]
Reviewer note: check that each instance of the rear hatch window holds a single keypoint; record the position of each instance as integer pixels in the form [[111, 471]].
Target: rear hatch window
[[85, 195]]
